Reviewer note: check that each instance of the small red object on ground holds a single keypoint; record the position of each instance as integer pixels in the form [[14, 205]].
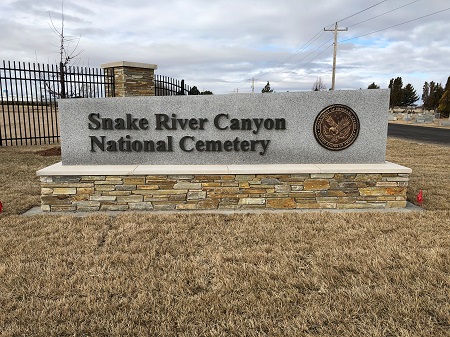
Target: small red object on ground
[[1, 206], [419, 197]]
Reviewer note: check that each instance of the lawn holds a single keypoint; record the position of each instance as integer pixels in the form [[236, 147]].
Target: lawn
[[188, 274]]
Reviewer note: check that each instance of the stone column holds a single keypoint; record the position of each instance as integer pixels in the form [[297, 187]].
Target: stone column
[[131, 78]]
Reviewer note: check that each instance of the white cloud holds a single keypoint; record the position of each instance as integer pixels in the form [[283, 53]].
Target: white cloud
[[220, 45]]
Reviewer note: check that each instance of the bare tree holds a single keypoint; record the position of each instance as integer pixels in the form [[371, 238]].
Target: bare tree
[[319, 85], [66, 55]]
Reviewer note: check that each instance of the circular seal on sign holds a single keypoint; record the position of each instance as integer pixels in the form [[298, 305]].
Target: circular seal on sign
[[336, 127]]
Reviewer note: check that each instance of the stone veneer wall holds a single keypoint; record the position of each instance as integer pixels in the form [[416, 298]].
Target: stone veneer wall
[[131, 78], [231, 191]]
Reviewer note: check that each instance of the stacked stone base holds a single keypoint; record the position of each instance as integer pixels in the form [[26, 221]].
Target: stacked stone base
[[153, 192]]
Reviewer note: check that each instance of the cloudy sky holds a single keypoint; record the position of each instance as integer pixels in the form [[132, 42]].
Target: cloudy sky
[[222, 45]]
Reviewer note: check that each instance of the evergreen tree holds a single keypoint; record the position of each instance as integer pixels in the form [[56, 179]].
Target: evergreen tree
[[437, 94], [267, 88], [447, 85], [409, 96], [373, 86], [194, 91], [396, 86], [444, 102], [432, 94], [432, 98], [444, 105], [426, 95]]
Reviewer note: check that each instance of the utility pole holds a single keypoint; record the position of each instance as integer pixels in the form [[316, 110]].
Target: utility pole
[[253, 83], [335, 30]]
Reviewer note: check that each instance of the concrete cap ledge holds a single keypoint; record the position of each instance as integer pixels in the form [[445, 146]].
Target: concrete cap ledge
[[69, 170], [129, 65]]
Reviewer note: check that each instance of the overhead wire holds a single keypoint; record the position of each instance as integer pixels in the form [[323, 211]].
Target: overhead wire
[[310, 41], [305, 64], [374, 17], [320, 33], [397, 25], [312, 52], [348, 17], [313, 39]]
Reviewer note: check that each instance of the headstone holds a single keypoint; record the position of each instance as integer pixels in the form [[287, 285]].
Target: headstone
[[420, 119], [392, 117]]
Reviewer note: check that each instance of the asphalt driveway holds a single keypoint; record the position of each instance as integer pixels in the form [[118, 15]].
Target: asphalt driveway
[[420, 133]]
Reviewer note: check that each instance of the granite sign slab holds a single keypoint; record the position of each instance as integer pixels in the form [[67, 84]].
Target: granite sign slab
[[333, 127]]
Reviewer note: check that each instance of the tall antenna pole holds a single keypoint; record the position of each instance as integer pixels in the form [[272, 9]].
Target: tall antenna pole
[[335, 30]]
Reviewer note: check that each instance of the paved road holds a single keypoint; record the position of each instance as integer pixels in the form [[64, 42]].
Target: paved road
[[420, 133]]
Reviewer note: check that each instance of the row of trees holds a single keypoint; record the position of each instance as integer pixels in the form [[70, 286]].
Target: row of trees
[[437, 97], [194, 91], [401, 96], [432, 93], [434, 96]]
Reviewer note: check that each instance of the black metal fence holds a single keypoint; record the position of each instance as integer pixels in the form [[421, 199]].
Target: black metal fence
[[167, 86], [29, 93]]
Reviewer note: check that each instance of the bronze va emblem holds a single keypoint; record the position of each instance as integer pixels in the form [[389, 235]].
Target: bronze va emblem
[[336, 127]]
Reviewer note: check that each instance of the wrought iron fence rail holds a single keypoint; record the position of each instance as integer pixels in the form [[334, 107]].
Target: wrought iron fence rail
[[168, 86], [29, 94]]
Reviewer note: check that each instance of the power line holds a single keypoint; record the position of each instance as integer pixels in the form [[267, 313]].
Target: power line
[[305, 64], [377, 16], [328, 41], [399, 24], [304, 57], [314, 38], [424, 16], [350, 16], [319, 34]]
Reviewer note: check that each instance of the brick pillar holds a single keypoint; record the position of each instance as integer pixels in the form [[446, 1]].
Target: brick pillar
[[131, 78]]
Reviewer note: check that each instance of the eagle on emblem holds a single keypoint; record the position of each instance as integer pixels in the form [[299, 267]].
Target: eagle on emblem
[[336, 131]]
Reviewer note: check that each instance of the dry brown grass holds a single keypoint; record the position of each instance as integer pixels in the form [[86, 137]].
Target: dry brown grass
[[430, 166], [22, 121], [19, 186], [291, 274]]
